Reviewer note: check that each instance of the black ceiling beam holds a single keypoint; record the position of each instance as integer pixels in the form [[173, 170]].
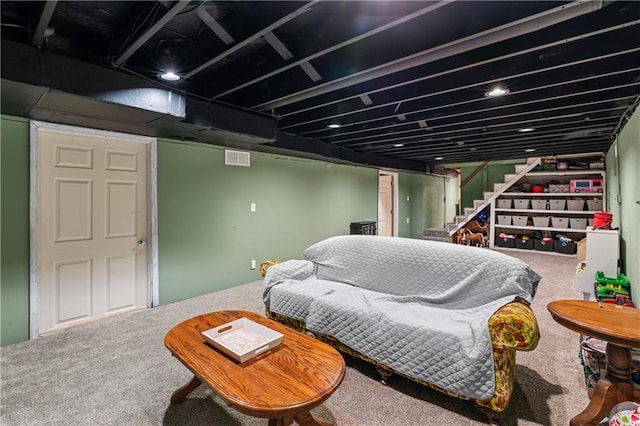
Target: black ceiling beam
[[146, 36], [43, 23], [494, 35]]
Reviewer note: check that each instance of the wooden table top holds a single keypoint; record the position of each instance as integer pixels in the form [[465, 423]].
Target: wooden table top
[[616, 324], [291, 378]]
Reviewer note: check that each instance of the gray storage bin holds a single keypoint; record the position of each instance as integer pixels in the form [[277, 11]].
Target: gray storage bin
[[521, 203], [594, 205], [504, 219], [542, 221], [504, 203], [558, 204], [539, 204], [519, 220], [559, 222], [577, 204], [578, 222]]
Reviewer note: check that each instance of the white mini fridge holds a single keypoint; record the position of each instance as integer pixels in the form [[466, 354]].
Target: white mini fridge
[[602, 252]]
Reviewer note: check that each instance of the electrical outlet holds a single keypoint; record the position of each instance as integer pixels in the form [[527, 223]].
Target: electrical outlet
[[407, 198], [407, 220], [253, 207], [253, 264]]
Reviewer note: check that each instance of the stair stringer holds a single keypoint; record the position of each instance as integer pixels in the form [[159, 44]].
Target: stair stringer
[[531, 164]]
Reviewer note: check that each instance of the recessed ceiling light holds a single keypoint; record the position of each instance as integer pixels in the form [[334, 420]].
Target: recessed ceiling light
[[398, 145], [529, 150], [170, 76], [498, 91], [439, 158], [526, 129], [333, 125]]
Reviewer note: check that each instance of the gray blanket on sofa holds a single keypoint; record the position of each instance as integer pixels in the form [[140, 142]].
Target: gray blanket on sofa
[[420, 307]]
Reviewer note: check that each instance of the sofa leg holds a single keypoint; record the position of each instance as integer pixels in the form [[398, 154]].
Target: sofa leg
[[494, 417], [384, 375]]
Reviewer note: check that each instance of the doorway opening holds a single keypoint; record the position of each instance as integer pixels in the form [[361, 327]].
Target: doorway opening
[[387, 203]]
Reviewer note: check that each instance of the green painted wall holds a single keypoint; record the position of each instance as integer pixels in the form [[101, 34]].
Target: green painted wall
[[623, 198], [492, 173], [207, 234], [14, 304], [433, 200]]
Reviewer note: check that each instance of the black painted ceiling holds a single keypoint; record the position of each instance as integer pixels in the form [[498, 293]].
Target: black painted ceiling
[[404, 79]]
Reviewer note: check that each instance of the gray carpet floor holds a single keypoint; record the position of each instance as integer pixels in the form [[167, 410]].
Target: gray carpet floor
[[117, 371]]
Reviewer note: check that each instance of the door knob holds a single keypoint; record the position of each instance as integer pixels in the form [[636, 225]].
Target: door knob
[[142, 243]]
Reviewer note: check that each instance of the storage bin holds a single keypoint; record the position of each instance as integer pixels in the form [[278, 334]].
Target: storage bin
[[577, 204], [542, 221], [559, 222], [519, 220], [557, 204], [504, 219], [578, 222], [590, 221], [567, 247], [539, 204], [558, 189], [594, 205], [541, 245], [505, 242], [523, 244], [504, 203], [521, 203]]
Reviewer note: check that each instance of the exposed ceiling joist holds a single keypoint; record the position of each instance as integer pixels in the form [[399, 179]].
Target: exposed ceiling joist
[[214, 26], [252, 38], [43, 23], [484, 38], [144, 37]]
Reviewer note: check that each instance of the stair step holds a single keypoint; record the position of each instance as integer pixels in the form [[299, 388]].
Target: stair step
[[436, 233], [498, 186], [477, 203], [509, 176], [441, 239], [469, 210], [487, 194], [521, 167], [460, 218]]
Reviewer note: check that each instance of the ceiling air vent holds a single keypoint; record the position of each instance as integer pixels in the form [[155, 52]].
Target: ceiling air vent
[[237, 158]]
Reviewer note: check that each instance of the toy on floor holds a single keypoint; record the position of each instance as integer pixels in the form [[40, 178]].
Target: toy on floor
[[613, 290]]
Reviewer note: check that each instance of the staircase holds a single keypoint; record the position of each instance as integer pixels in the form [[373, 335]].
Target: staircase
[[448, 232]]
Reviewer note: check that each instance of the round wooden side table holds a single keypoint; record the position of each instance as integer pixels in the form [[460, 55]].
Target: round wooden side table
[[619, 326]]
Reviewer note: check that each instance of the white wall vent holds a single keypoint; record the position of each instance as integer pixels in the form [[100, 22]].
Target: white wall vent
[[237, 158]]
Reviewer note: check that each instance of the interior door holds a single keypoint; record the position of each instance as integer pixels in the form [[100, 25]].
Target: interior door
[[385, 205], [92, 228]]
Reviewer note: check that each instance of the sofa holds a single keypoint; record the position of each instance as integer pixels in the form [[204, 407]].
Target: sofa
[[447, 316]]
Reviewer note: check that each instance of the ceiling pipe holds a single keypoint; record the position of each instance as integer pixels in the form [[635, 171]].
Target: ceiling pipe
[[137, 44], [340, 45], [504, 32], [252, 38]]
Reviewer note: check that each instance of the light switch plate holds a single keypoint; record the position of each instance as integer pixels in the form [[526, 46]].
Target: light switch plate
[[253, 207]]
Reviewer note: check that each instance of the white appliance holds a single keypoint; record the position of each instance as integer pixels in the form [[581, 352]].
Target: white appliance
[[602, 252]]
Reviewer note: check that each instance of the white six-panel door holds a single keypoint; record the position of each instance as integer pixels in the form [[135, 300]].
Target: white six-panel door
[[92, 228]]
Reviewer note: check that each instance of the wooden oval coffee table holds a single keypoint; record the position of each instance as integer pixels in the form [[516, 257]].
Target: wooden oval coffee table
[[282, 384]]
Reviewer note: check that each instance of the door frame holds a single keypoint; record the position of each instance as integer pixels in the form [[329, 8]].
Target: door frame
[[394, 196], [34, 210]]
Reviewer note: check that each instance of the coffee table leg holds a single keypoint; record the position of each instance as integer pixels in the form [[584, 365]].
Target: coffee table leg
[[179, 395], [613, 388], [302, 419]]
